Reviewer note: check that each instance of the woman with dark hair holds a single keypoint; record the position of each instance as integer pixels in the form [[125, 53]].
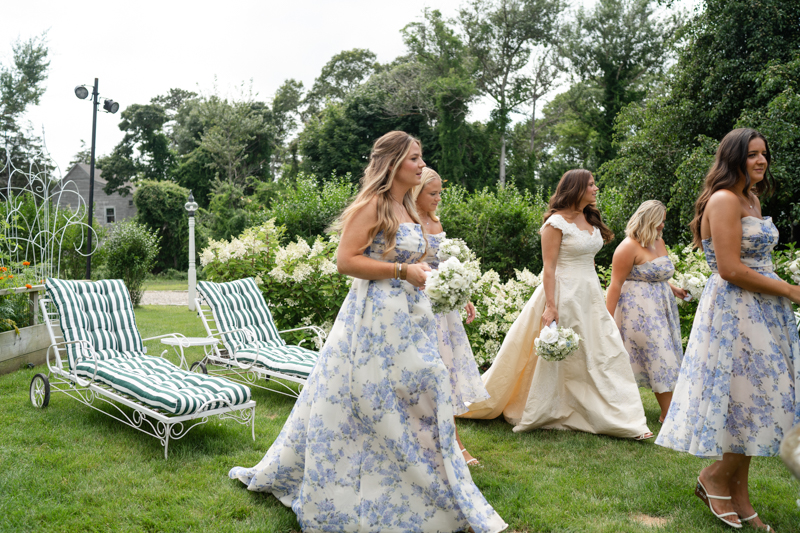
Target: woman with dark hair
[[736, 392], [594, 389], [370, 444]]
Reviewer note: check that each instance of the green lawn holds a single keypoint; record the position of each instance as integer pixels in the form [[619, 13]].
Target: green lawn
[[166, 285], [68, 468]]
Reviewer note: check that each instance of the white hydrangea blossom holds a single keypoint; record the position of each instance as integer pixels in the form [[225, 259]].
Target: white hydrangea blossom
[[318, 248], [327, 267], [301, 272]]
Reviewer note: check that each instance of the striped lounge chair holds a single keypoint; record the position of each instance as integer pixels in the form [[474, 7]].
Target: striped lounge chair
[[251, 347], [100, 361]]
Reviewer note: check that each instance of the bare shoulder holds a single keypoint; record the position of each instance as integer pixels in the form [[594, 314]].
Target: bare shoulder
[[627, 249], [723, 200]]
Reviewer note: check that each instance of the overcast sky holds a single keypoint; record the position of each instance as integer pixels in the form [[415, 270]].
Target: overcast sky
[[140, 49]]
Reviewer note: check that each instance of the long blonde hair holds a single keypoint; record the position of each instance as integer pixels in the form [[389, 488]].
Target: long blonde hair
[[642, 225], [388, 154], [428, 175]]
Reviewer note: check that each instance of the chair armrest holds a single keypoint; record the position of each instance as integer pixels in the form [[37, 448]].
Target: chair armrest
[[250, 338], [92, 356]]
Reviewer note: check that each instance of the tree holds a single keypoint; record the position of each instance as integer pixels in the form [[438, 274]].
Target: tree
[[21, 85], [231, 128], [159, 206], [144, 152], [444, 69], [722, 76], [500, 34], [340, 77], [283, 122], [617, 47]]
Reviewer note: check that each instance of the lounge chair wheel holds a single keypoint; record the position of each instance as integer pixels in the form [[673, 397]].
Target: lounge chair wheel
[[40, 390], [198, 367]]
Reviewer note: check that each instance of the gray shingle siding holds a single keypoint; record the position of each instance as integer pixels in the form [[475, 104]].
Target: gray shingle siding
[[79, 175]]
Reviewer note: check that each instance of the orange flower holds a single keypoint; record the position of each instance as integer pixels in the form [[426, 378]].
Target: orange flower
[[3, 269], [26, 263], [11, 276], [28, 286], [2, 278]]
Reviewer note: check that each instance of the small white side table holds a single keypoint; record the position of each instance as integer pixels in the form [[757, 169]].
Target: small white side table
[[186, 342]]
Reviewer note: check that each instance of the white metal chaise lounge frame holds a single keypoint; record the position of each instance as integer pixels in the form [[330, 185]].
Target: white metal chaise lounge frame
[[156, 422], [259, 340]]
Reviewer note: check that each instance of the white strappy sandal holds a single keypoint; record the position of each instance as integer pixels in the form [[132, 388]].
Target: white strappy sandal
[[471, 462], [743, 520], [701, 492]]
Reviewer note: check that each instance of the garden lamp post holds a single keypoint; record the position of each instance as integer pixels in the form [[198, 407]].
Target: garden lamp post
[[110, 106], [191, 206]]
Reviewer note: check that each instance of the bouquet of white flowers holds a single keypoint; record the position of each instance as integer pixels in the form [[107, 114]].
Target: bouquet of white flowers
[[556, 343], [691, 282], [451, 286], [455, 248]]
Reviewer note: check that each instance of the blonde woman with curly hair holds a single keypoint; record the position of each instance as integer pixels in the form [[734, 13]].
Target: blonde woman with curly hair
[[465, 378], [370, 444], [643, 304]]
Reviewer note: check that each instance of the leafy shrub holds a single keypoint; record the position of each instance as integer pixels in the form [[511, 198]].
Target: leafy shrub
[[309, 208], [497, 306], [15, 309], [300, 282], [131, 252], [501, 227]]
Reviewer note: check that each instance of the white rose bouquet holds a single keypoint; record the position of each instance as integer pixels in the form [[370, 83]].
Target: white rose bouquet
[[455, 248], [450, 287], [556, 343]]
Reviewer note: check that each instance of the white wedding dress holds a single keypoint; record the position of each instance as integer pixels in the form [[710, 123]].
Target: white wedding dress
[[594, 389]]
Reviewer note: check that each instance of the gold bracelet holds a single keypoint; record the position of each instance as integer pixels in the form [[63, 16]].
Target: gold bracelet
[[396, 274], [403, 273]]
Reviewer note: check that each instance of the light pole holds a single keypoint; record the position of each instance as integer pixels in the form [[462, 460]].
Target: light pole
[[110, 106], [191, 207]]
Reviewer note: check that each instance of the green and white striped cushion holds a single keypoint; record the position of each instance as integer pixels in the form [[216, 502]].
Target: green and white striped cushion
[[99, 312], [292, 360], [160, 384], [240, 305]]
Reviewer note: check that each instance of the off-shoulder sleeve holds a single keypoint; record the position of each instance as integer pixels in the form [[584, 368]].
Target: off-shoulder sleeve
[[558, 222]]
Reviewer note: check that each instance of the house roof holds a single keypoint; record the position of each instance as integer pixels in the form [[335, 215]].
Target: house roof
[[97, 175]]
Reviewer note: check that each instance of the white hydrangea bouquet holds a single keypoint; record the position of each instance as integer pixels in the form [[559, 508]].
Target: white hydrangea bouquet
[[556, 343], [452, 284]]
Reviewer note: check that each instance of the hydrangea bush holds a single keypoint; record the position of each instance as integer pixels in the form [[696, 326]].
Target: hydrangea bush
[[300, 282], [497, 305]]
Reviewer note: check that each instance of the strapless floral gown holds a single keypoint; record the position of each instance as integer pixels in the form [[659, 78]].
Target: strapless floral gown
[[593, 390], [370, 443], [465, 378], [736, 392], [648, 320]]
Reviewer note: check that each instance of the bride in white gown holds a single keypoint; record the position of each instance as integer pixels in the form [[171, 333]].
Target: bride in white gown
[[594, 389]]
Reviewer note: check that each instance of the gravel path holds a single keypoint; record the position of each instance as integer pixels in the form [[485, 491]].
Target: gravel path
[[165, 298]]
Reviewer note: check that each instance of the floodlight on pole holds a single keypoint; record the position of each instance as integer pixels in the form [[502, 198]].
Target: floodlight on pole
[[111, 107]]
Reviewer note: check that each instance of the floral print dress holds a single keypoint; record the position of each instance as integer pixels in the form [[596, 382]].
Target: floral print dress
[[648, 320], [465, 378], [737, 385], [370, 443]]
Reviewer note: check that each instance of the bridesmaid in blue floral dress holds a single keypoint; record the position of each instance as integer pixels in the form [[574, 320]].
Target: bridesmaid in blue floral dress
[[465, 378], [736, 393], [642, 302], [370, 444]]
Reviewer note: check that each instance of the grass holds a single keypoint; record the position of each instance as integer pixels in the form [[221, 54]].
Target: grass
[[166, 285], [68, 468]]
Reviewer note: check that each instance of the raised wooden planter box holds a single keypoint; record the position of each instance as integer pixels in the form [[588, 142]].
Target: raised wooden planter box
[[30, 346]]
